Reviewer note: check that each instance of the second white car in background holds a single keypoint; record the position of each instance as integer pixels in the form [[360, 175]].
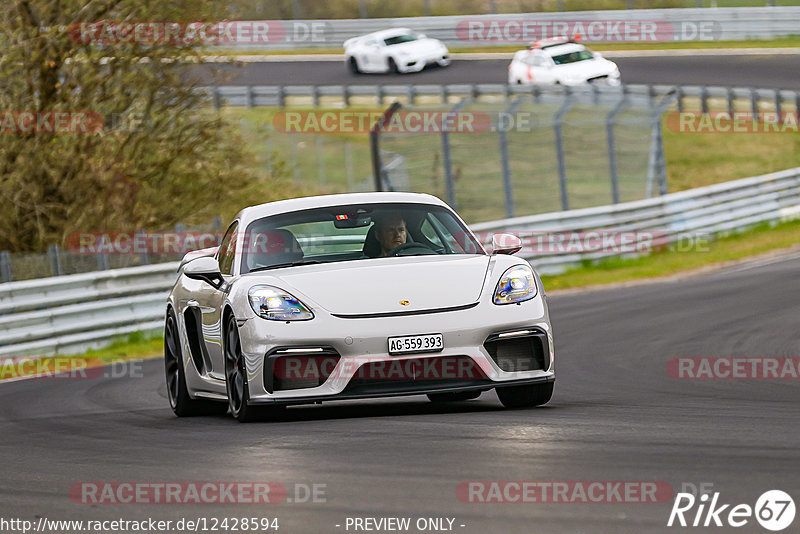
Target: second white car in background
[[395, 50], [561, 61]]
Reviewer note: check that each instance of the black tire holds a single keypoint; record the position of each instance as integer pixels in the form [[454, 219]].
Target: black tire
[[236, 381], [353, 63], [177, 392], [393, 66], [525, 396], [454, 397]]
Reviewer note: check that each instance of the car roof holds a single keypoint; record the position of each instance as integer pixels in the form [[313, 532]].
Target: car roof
[[252, 213]]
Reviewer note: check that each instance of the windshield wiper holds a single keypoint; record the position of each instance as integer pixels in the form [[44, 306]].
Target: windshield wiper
[[287, 264]]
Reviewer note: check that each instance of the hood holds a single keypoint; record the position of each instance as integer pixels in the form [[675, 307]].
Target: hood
[[379, 285], [585, 69]]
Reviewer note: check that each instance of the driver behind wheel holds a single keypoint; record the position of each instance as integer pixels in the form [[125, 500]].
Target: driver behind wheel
[[390, 231]]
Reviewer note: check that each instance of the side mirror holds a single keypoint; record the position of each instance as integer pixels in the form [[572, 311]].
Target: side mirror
[[596, 55], [421, 36], [506, 244], [205, 269]]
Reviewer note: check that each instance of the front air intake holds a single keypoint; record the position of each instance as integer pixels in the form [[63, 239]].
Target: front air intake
[[289, 368], [521, 350]]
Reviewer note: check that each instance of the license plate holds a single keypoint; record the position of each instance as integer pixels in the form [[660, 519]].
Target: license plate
[[422, 343]]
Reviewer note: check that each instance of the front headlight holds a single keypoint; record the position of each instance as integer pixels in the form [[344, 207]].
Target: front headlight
[[276, 304], [516, 285]]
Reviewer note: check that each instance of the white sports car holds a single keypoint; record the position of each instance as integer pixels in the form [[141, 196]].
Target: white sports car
[[561, 61], [354, 296], [395, 50]]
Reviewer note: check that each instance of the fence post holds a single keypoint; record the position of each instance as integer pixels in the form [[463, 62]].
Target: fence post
[[680, 99], [450, 188], [320, 161], [754, 104], [704, 100], [315, 95], [778, 106], [217, 98], [281, 96], [731, 102], [412, 95], [612, 151], [374, 144], [55, 260], [348, 165], [346, 95], [505, 160], [250, 98], [657, 166], [293, 153], [558, 122], [144, 256], [379, 94], [5, 266], [102, 257]]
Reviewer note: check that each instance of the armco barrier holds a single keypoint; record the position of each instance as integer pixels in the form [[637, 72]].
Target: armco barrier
[[714, 209], [67, 314], [687, 24]]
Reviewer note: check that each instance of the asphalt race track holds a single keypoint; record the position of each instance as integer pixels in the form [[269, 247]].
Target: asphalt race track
[[762, 71], [616, 416]]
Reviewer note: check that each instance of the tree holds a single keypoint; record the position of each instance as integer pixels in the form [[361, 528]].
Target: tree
[[161, 155]]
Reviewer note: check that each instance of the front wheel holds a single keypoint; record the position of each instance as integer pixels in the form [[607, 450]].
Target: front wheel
[[353, 63], [525, 396], [177, 392], [393, 68], [236, 380]]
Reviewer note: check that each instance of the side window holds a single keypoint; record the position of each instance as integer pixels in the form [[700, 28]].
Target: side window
[[539, 61], [227, 250]]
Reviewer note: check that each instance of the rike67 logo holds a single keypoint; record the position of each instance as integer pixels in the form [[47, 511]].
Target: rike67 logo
[[774, 510]]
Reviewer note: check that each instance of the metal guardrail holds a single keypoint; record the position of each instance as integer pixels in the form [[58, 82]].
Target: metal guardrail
[[711, 210], [337, 95], [69, 314], [681, 24]]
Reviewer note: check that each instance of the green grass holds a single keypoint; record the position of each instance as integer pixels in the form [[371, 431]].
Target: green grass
[[782, 42], [759, 240], [136, 346]]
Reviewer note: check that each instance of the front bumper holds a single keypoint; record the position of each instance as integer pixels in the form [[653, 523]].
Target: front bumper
[[364, 341]]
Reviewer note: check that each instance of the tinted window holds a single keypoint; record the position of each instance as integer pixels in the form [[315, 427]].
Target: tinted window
[[406, 38], [227, 250], [353, 233]]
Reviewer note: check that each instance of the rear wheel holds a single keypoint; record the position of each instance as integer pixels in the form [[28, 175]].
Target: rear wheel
[[525, 396], [177, 392], [454, 397], [236, 381]]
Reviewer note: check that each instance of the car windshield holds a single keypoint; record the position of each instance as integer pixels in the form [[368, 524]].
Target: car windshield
[[572, 57], [405, 38], [353, 232]]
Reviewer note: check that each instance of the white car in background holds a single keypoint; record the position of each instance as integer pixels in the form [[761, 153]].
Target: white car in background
[[396, 50], [561, 61]]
